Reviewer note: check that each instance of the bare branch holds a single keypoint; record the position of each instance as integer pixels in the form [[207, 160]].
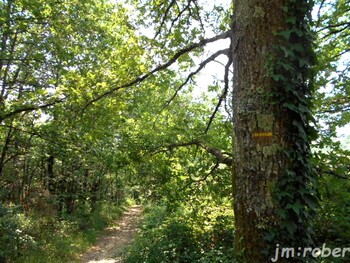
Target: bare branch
[[192, 74], [32, 133], [222, 64], [343, 108], [172, 60], [198, 14], [187, 7], [342, 53], [204, 178], [224, 94], [319, 13], [178, 17]]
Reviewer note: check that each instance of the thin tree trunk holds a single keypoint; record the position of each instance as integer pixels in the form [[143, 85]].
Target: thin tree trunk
[[5, 149], [51, 174]]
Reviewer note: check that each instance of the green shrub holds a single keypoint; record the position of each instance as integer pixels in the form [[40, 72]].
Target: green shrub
[[332, 224], [13, 239], [56, 240], [178, 237]]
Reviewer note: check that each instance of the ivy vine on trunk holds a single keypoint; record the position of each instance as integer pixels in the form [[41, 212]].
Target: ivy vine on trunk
[[274, 182]]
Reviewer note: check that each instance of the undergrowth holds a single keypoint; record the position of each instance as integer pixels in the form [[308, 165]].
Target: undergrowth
[[183, 235], [36, 238]]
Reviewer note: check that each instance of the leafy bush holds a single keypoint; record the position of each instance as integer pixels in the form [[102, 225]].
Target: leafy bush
[[13, 239], [34, 238], [178, 237], [332, 225]]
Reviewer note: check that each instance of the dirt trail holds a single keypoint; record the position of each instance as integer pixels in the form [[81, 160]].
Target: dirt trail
[[110, 246]]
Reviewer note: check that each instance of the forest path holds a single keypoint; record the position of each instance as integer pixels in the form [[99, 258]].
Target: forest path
[[109, 248]]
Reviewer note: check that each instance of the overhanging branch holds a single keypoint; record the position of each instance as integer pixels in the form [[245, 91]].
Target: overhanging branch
[[29, 108], [333, 173], [224, 94], [220, 156], [170, 62], [192, 74]]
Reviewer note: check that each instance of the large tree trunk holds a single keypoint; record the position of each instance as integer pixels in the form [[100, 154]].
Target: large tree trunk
[[262, 127]]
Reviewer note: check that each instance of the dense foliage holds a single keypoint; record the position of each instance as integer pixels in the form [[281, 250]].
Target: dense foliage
[[184, 235], [332, 112], [100, 102]]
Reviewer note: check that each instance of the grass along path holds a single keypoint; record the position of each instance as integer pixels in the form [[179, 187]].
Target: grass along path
[[109, 248]]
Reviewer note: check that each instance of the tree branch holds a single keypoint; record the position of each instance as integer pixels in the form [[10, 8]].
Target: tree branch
[[172, 3], [330, 172], [336, 31], [199, 15], [192, 74], [180, 12], [172, 60], [224, 94], [346, 24], [29, 108], [204, 178], [319, 13], [221, 157], [336, 106]]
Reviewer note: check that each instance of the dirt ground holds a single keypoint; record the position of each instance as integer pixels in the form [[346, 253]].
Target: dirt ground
[[109, 248]]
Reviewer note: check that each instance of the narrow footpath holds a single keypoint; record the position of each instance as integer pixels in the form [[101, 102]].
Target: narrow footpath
[[109, 248]]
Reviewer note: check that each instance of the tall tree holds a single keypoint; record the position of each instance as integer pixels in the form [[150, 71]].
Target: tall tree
[[274, 193], [53, 58], [272, 55]]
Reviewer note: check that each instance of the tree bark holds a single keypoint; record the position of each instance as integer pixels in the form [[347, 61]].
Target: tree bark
[[261, 128], [5, 149], [51, 174]]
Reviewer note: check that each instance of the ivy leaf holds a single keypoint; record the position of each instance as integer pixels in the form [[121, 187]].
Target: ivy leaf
[[290, 226], [278, 77], [291, 107], [311, 202], [291, 20], [288, 52], [282, 213], [286, 34], [298, 47], [303, 62], [297, 208]]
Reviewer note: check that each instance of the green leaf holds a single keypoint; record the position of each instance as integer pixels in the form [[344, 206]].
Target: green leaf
[[278, 77], [297, 208], [290, 227], [291, 20], [282, 213], [288, 52], [286, 34]]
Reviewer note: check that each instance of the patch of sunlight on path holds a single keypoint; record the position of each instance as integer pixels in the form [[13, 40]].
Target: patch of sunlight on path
[[110, 247]]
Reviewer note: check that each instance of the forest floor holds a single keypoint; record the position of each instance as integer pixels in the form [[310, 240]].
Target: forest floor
[[111, 245]]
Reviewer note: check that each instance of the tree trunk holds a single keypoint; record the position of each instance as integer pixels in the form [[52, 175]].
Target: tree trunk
[[262, 127], [51, 174], [5, 148]]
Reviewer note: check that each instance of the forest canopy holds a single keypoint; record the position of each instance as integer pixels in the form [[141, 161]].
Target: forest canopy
[[105, 101]]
